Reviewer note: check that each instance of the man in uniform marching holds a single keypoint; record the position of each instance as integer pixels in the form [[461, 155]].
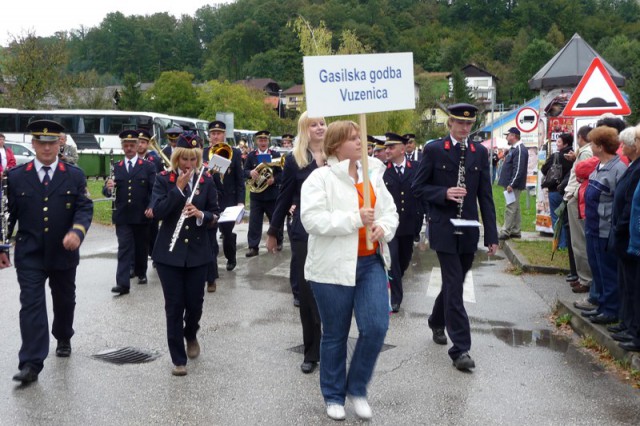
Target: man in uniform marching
[[133, 185], [398, 178], [264, 202], [453, 180], [173, 134], [47, 198], [233, 190]]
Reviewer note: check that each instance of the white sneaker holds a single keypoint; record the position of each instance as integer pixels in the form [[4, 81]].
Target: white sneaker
[[336, 411], [361, 407]]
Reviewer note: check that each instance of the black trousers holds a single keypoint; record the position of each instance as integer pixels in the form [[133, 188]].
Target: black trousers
[[132, 250], [153, 233], [632, 291], [228, 240], [629, 289], [309, 316], [183, 290], [448, 309], [256, 215], [293, 273], [401, 250], [34, 324]]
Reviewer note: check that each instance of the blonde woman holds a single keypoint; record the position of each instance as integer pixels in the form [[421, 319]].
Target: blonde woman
[[346, 276], [307, 155], [183, 270]]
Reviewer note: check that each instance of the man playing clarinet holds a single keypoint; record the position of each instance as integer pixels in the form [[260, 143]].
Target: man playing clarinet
[[452, 180]]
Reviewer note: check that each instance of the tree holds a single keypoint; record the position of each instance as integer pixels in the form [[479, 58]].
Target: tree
[[34, 70], [460, 90], [173, 93], [131, 98]]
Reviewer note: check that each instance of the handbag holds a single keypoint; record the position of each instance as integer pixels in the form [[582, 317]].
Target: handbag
[[554, 175]]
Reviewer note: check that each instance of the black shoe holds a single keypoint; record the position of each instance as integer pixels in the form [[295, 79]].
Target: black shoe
[[416, 239], [464, 362], [279, 247], [571, 278], [627, 346], [120, 290], [308, 367], [395, 308], [616, 328], [503, 237], [603, 319], [622, 336], [589, 314], [132, 274], [439, 336], [296, 302], [26, 375], [142, 280], [252, 252], [64, 348], [231, 264]]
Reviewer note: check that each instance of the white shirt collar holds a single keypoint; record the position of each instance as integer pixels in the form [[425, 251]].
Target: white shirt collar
[[403, 164], [39, 165]]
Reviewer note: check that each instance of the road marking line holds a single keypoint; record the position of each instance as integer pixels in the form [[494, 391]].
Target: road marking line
[[435, 284]]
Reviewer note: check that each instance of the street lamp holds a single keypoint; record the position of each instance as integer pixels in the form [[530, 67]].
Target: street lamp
[[280, 103]]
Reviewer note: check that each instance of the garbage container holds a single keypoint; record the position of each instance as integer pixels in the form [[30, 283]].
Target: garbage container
[[90, 162]]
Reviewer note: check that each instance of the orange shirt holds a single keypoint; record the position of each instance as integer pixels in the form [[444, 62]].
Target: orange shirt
[[362, 232]]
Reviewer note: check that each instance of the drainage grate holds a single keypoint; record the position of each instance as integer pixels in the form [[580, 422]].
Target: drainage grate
[[126, 355], [351, 346]]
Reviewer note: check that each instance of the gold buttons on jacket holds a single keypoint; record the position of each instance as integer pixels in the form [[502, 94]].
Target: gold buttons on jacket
[[186, 241]]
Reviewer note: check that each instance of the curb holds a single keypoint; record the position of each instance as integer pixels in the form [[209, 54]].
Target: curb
[[518, 259], [584, 327]]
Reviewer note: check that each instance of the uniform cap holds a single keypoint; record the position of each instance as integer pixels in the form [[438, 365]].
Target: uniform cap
[[262, 134], [128, 135], [45, 130], [394, 139], [143, 134], [464, 112], [189, 139], [217, 126]]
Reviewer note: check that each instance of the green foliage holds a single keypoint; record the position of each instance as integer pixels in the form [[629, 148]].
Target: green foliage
[[34, 69], [563, 319], [131, 98], [173, 93], [250, 110]]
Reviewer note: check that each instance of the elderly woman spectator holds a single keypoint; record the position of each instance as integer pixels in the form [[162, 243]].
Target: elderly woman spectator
[[598, 205], [346, 274], [628, 277]]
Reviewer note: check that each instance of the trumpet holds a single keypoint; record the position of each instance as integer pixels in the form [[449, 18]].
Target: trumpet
[[265, 172], [223, 150], [183, 216], [5, 244], [153, 143]]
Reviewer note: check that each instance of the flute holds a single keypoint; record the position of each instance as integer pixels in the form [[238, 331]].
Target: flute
[[183, 216]]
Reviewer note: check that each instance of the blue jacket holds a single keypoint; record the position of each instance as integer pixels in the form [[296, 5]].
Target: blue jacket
[[599, 197], [514, 169], [193, 247], [133, 192], [400, 189], [437, 172], [44, 218]]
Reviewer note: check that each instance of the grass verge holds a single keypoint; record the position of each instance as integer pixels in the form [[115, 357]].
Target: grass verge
[[101, 209], [539, 253]]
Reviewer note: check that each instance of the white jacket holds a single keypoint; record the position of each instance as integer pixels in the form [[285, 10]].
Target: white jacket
[[330, 214]]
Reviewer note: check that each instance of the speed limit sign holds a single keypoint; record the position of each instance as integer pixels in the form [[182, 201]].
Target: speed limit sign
[[527, 119]]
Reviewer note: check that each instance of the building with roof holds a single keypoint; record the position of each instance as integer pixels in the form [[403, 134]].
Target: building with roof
[[481, 83]]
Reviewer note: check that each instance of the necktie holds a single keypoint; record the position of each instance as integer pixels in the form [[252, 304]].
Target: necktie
[[399, 170], [46, 179], [129, 166]]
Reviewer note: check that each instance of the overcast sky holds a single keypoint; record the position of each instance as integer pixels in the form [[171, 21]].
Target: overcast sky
[[45, 17]]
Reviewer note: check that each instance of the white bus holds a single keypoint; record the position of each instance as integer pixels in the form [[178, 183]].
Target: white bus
[[92, 130]]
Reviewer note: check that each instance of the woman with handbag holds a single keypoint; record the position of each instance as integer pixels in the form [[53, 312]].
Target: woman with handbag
[[556, 171]]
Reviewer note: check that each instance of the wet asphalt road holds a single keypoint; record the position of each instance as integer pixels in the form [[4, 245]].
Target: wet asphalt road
[[248, 372]]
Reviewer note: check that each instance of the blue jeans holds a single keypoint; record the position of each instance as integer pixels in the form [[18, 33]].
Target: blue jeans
[[369, 299], [555, 198], [604, 267]]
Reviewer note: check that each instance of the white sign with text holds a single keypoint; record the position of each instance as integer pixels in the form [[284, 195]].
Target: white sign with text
[[356, 84]]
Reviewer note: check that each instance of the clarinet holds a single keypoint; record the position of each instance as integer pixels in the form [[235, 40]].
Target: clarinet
[[461, 181], [183, 216], [4, 212]]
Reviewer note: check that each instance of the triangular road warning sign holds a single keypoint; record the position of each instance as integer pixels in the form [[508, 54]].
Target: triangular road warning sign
[[596, 94]]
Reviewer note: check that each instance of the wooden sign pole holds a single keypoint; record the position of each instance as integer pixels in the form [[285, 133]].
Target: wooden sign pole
[[365, 172]]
